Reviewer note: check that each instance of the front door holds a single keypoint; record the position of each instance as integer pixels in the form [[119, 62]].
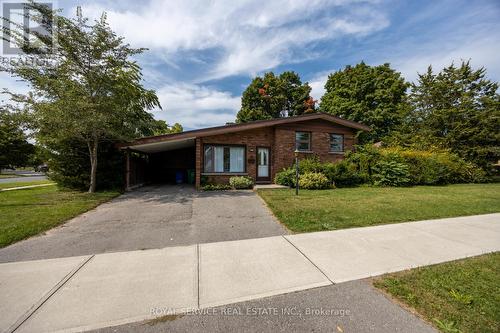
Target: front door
[[263, 164]]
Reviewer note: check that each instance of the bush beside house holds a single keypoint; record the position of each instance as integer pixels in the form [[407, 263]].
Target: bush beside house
[[236, 183], [393, 166], [240, 183]]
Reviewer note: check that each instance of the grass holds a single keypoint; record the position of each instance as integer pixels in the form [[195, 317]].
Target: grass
[[19, 184], [24, 213], [366, 206], [459, 296]]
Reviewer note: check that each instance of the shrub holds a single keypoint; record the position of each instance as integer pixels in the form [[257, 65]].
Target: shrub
[[311, 164], [241, 182], [216, 187], [285, 177], [343, 174], [435, 167], [314, 181], [391, 173]]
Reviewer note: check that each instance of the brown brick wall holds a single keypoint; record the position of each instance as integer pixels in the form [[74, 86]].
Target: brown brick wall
[[320, 142], [250, 139], [281, 140]]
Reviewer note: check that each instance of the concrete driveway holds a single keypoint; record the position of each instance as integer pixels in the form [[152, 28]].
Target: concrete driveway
[[153, 217]]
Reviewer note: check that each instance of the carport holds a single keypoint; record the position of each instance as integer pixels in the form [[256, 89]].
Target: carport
[[164, 162]]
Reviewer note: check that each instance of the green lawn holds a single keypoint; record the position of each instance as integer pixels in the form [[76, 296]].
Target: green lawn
[[25, 213], [365, 206], [459, 296], [27, 183]]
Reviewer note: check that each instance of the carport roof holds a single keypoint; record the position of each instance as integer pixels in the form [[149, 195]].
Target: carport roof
[[150, 141]]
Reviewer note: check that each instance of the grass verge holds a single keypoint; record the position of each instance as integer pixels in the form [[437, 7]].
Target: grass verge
[[24, 213], [458, 296], [366, 206]]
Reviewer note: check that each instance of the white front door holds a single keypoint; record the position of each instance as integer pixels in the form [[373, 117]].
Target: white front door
[[262, 162]]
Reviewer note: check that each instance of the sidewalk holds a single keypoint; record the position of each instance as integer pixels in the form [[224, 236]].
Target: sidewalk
[[90, 292]]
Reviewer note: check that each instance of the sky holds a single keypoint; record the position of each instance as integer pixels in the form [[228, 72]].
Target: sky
[[202, 54]]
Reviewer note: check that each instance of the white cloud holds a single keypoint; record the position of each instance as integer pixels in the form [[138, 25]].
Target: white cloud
[[196, 106], [317, 84], [481, 51], [249, 36]]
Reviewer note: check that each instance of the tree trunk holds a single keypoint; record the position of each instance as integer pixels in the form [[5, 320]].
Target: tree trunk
[[93, 164]]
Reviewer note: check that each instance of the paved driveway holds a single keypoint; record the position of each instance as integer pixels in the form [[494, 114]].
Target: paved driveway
[[153, 217]]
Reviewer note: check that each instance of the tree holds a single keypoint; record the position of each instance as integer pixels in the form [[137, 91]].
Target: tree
[[161, 127], [459, 109], [85, 87], [15, 150], [374, 96], [274, 96]]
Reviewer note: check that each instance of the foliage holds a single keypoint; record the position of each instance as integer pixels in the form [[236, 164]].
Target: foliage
[[425, 167], [285, 177], [85, 87], [372, 205], [161, 127], [343, 174], [216, 187], [374, 96], [15, 150], [274, 96], [435, 167], [457, 109], [391, 173], [310, 164], [458, 296], [69, 164], [314, 181], [241, 182]]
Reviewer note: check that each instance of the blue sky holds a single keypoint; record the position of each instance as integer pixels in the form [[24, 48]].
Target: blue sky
[[202, 54]]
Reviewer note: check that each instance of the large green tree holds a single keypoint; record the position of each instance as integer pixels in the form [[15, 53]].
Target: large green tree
[[459, 109], [15, 150], [84, 87], [274, 96], [372, 95]]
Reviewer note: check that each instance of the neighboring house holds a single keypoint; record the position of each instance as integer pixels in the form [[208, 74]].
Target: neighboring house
[[256, 149]]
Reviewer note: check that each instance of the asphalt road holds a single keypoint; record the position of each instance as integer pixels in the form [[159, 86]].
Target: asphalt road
[[23, 179], [354, 306]]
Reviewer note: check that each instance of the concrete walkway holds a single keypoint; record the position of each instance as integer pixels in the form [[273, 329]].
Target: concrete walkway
[[90, 292]]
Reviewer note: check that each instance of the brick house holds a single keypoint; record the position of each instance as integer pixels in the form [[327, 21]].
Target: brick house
[[256, 149]]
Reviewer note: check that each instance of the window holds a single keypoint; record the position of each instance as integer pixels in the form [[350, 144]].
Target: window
[[303, 141], [336, 143], [224, 158]]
